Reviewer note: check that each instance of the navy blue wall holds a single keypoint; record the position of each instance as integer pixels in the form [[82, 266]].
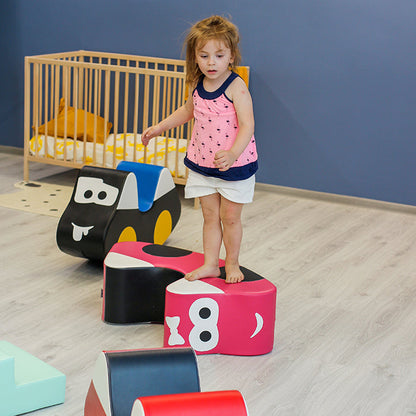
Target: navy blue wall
[[333, 81]]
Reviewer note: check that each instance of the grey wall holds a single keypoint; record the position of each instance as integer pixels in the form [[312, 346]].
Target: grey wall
[[333, 81]]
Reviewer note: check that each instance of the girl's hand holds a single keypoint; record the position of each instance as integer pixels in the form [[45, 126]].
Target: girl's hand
[[149, 133], [224, 159]]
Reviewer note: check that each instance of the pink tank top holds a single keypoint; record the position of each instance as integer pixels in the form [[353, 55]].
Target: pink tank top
[[216, 128]]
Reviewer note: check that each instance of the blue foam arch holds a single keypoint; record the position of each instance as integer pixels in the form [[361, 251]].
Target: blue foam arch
[[146, 189]]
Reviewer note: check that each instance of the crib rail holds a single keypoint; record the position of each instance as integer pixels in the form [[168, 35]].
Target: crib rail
[[131, 92]]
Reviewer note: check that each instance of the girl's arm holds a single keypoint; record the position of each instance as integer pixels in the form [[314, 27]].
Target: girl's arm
[[243, 104], [182, 115]]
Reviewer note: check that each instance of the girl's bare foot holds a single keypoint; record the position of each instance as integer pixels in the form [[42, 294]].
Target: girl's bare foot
[[203, 271], [233, 274]]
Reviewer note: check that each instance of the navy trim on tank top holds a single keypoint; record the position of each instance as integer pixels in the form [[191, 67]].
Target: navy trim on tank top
[[212, 95], [237, 173]]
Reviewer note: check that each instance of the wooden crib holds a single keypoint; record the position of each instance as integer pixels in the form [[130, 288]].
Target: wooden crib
[[88, 108]]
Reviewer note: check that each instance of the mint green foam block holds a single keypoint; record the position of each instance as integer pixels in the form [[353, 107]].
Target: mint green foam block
[[27, 383]]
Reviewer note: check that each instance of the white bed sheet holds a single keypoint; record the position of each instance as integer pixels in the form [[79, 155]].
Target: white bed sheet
[[124, 150]]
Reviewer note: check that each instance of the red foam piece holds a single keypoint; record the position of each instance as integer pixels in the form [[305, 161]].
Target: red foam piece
[[219, 403], [93, 404]]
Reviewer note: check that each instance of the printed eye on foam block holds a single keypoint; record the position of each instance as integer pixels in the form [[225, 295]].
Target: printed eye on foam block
[[209, 315]]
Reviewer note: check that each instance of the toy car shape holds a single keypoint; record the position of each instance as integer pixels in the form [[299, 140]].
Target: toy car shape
[[135, 202]]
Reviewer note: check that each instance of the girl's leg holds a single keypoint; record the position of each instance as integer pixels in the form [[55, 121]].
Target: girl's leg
[[212, 238], [230, 213]]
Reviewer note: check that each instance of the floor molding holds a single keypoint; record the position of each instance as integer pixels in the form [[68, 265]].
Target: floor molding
[[338, 199]]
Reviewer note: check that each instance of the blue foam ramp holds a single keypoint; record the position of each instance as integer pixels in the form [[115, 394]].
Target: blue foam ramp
[[148, 177], [26, 382]]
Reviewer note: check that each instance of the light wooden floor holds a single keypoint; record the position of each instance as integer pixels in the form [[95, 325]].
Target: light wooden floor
[[345, 330]]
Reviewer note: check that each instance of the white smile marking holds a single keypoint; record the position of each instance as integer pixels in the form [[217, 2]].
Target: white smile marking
[[259, 326]]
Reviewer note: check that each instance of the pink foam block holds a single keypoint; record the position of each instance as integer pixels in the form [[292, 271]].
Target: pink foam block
[[157, 255], [209, 315], [212, 316]]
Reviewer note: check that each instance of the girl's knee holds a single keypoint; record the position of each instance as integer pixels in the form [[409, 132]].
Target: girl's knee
[[230, 217], [230, 213]]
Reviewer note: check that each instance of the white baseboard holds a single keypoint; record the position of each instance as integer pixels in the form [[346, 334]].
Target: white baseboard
[[335, 198]]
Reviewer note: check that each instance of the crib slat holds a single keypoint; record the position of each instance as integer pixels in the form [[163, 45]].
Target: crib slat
[[45, 120], [81, 84], [99, 91], [75, 105], [146, 111], [90, 96], [40, 94], [57, 93], [166, 110], [67, 100], [136, 115], [175, 94], [35, 103], [27, 121], [155, 110], [95, 104], [106, 107], [116, 105], [52, 91], [84, 138], [126, 113]]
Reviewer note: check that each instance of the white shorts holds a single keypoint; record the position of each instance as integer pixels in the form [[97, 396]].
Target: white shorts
[[240, 192]]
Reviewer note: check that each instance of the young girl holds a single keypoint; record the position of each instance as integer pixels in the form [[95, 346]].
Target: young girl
[[221, 155]]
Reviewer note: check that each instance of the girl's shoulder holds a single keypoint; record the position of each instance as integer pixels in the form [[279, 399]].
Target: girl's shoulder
[[236, 88]]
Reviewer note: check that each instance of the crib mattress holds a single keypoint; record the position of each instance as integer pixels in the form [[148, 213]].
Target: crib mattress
[[123, 146]]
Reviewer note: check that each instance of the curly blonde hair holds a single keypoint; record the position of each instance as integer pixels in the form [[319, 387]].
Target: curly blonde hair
[[214, 27]]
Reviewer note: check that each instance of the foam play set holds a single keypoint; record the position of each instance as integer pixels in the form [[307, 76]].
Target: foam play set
[[209, 315], [135, 202], [122, 217], [26, 382]]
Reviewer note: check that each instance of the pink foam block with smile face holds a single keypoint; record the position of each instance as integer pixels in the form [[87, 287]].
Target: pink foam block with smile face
[[209, 315], [212, 316]]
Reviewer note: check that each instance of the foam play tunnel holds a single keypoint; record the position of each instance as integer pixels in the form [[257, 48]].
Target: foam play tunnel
[[120, 377]]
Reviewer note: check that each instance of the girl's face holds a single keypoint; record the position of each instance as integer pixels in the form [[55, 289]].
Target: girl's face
[[214, 59]]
